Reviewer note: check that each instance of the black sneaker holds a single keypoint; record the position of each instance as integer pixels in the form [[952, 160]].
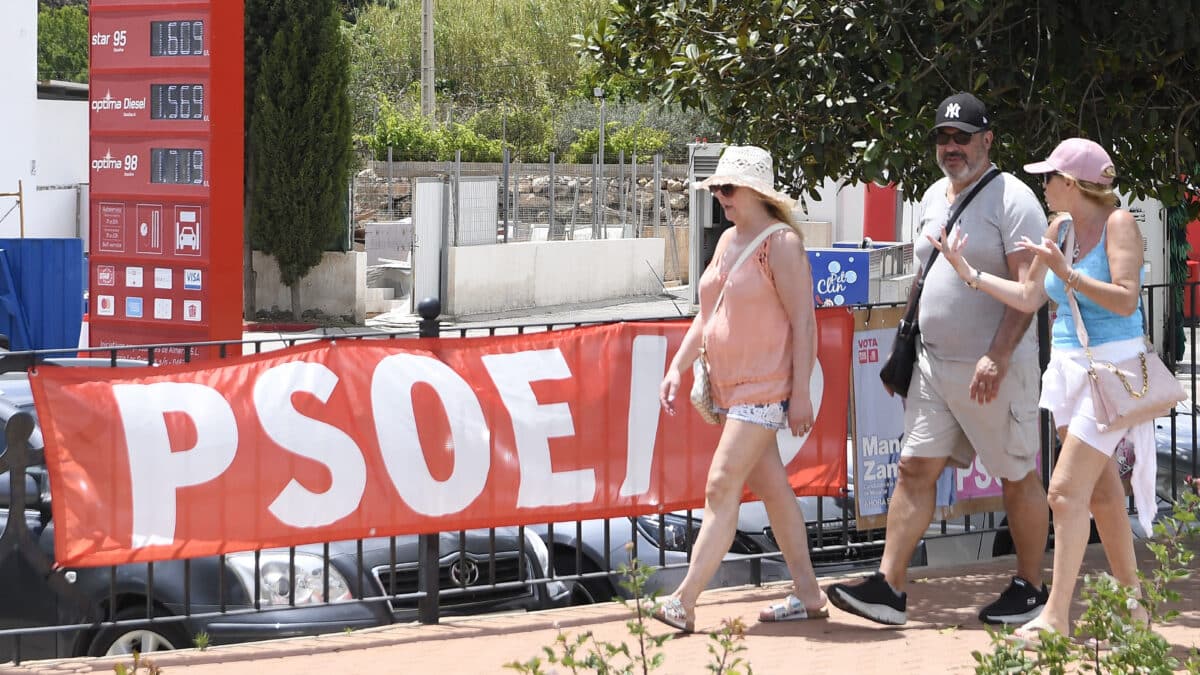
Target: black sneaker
[[1019, 603], [872, 598]]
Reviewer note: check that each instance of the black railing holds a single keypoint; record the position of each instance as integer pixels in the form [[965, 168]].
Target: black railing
[[262, 594]]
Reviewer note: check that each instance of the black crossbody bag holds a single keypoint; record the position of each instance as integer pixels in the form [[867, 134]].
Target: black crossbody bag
[[897, 371]]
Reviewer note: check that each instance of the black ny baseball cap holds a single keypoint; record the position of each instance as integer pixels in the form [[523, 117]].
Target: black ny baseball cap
[[962, 111]]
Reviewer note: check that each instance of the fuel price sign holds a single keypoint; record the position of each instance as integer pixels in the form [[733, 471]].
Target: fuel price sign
[[166, 173]]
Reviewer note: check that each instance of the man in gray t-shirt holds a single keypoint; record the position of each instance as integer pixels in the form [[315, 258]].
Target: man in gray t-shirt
[[974, 389]]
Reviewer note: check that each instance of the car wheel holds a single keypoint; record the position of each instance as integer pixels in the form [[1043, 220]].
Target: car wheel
[[585, 591], [123, 640]]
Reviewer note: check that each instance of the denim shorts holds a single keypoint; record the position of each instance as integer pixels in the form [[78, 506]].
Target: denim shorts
[[769, 415]]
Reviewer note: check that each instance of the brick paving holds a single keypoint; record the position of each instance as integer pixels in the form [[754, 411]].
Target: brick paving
[[939, 638]]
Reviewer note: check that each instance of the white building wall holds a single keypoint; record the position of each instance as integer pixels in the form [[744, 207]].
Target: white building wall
[[506, 277], [18, 81], [841, 204], [62, 169]]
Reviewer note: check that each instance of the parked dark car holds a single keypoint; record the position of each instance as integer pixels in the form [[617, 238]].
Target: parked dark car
[[665, 543], [246, 596]]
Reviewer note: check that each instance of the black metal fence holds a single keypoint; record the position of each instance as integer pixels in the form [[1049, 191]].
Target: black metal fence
[[46, 611]]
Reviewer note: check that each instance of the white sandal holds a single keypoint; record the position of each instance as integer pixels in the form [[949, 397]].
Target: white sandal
[[791, 609]]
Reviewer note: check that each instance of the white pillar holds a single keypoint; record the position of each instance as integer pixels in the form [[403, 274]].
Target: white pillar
[[18, 82]]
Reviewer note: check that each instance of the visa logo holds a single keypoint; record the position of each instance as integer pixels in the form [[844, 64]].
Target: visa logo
[[192, 280]]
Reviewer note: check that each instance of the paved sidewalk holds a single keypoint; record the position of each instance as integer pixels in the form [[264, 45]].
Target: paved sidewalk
[[939, 638]]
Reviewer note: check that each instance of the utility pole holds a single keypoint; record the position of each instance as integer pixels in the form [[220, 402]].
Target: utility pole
[[602, 230], [428, 109]]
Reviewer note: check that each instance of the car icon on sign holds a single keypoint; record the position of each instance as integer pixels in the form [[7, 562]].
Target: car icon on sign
[[188, 239]]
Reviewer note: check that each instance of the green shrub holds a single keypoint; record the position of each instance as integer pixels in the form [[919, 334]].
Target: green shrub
[[639, 138], [1118, 642], [413, 138]]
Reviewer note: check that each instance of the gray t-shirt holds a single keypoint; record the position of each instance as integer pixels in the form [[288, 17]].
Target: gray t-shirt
[[957, 322]]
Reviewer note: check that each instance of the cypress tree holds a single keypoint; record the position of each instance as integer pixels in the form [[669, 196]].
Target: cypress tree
[[299, 146]]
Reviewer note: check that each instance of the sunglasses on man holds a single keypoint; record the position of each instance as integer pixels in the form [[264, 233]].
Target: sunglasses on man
[[943, 137]]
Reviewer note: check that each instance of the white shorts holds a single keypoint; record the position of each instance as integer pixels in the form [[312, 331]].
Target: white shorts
[[769, 415]]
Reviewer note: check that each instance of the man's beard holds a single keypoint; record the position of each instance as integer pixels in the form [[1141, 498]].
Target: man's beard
[[966, 170]]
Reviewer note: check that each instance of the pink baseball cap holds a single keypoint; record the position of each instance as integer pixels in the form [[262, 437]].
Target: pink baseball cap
[[1078, 158]]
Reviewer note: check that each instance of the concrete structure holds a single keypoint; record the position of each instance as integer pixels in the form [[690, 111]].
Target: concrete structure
[[61, 198], [506, 277], [18, 115], [336, 287]]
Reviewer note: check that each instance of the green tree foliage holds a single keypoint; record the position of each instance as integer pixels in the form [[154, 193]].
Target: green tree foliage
[[55, 4], [486, 53], [638, 138], [300, 135], [525, 132], [412, 138], [846, 88], [351, 8], [63, 43]]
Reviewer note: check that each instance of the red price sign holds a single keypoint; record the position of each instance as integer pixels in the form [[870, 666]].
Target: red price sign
[[166, 172]]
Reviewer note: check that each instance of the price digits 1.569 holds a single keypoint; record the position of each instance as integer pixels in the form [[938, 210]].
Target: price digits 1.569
[[176, 101]]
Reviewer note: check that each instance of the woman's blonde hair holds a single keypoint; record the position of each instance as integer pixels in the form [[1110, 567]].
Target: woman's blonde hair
[[784, 216], [1098, 192]]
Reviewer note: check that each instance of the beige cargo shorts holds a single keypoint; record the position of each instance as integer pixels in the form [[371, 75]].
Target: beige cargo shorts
[[943, 421]]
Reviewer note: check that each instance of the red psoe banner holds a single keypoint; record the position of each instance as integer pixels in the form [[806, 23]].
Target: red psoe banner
[[359, 439]]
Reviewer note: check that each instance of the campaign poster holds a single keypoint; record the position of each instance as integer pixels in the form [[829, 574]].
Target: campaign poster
[[878, 435]]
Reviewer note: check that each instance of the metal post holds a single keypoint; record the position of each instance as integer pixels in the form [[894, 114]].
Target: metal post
[[655, 211], [550, 233], [621, 191], [633, 191], [391, 203], [504, 205], [595, 200], [516, 203], [574, 209], [456, 199], [428, 553], [598, 229]]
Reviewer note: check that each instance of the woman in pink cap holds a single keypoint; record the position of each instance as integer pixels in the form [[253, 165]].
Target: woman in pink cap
[[1102, 267], [757, 332]]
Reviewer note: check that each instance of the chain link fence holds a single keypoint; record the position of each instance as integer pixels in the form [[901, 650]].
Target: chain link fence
[[633, 197]]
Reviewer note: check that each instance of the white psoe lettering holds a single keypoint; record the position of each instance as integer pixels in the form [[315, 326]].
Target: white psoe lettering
[[649, 364], [296, 505], [155, 472], [534, 424], [396, 426]]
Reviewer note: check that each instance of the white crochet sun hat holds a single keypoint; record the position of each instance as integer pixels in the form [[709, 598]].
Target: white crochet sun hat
[[750, 167]]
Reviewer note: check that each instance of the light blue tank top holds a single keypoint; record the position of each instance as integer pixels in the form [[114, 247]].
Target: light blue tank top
[[1102, 325]]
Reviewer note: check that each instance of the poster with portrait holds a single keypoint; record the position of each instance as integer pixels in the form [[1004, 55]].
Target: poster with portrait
[[877, 432]]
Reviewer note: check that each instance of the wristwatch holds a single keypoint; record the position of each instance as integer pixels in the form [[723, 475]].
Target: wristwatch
[[973, 282]]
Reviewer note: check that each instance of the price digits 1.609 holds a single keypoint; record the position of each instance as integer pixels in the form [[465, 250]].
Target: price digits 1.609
[[177, 38]]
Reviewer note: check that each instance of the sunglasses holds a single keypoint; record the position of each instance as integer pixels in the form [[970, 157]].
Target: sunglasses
[[1047, 177], [726, 190], [942, 137]]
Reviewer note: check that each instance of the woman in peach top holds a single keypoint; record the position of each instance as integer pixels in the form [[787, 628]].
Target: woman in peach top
[[759, 340]]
